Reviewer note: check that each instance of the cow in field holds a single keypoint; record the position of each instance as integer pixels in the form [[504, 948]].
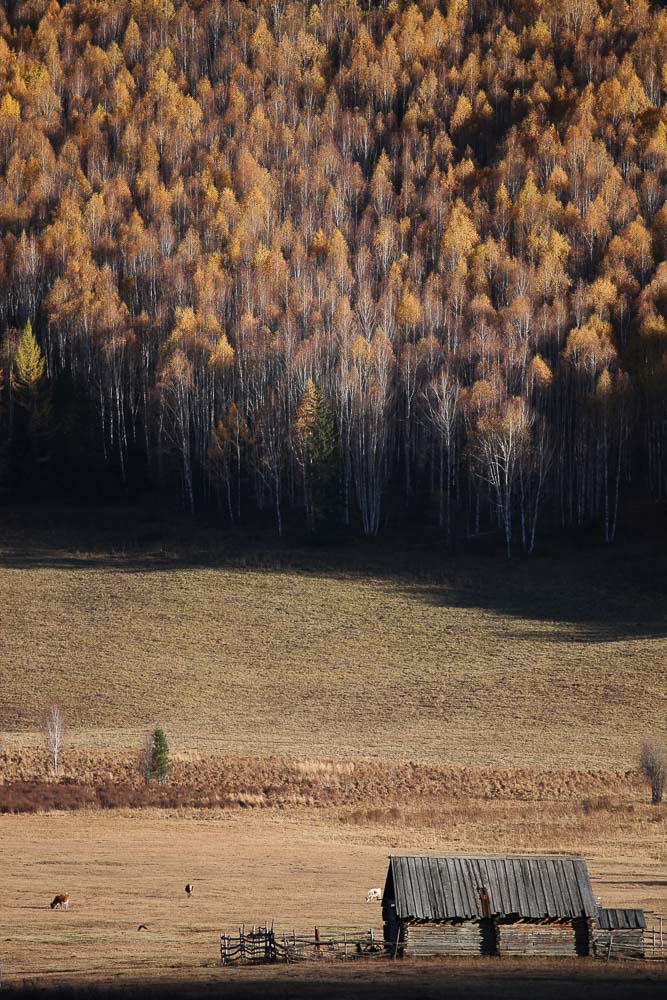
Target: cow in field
[[60, 902], [374, 896], [189, 889]]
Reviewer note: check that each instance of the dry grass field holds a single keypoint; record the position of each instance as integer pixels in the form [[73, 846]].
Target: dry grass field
[[340, 706], [305, 868], [547, 662]]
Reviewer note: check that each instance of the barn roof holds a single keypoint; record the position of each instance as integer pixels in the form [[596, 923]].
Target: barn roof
[[445, 887], [611, 919]]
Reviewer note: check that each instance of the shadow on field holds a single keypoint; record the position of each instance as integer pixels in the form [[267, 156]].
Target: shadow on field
[[577, 593], [600, 595], [427, 981]]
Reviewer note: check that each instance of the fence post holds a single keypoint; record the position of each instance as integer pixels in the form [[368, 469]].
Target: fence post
[[611, 938]]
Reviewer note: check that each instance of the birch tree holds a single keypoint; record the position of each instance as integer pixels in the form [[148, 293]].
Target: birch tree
[[54, 727]]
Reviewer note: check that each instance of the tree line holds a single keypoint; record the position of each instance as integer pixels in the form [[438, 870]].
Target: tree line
[[342, 262]]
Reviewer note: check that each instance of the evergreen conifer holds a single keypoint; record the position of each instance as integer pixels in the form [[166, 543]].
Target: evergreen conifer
[[159, 755]]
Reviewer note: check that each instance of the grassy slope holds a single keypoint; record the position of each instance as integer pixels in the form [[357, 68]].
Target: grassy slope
[[554, 661]]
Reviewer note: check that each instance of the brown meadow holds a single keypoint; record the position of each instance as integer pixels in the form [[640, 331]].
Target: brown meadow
[[321, 715], [545, 663], [305, 868]]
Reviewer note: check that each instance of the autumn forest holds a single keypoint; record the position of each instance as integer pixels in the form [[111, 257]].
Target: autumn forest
[[340, 263]]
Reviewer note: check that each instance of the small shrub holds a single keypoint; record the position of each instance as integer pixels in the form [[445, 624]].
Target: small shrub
[[600, 803]]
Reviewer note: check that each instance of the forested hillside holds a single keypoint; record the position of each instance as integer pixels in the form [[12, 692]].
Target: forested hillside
[[342, 262]]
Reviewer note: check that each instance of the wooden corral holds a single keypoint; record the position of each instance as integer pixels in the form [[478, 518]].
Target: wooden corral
[[264, 945], [451, 905], [619, 933]]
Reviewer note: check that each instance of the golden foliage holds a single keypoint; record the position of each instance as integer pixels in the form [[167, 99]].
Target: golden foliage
[[29, 364]]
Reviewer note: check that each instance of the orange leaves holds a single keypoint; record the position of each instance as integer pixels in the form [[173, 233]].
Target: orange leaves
[[262, 45], [595, 224], [461, 114], [602, 296], [373, 361], [176, 373], [589, 347], [540, 372], [381, 188], [265, 194], [459, 239], [85, 301], [10, 116], [653, 315], [222, 355], [199, 335], [409, 311], [510, 422], [637, 245], [132, 42], [319, 244], [306, 413]]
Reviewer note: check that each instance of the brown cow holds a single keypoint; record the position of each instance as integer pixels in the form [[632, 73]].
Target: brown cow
[[61, 901]]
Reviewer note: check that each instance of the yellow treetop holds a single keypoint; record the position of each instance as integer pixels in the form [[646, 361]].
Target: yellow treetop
[[462, 113], [541, 372], [409, 311], [222, 355], [29, 363]]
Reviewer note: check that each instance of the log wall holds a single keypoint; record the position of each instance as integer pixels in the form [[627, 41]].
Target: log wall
[[469, 937], [537, 939], [488, 937]]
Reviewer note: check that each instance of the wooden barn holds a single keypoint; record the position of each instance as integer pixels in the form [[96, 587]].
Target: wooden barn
[[452, 905], [619, 933]]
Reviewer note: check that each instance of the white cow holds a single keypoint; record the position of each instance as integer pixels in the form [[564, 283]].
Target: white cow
[[374, 896]]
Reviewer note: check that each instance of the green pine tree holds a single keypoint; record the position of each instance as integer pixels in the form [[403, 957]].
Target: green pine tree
[[317, 447], [323, 466], [159, 756]]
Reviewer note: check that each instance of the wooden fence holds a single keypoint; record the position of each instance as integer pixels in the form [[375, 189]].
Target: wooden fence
[[629, 943], [263, 944], [655, 935]]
